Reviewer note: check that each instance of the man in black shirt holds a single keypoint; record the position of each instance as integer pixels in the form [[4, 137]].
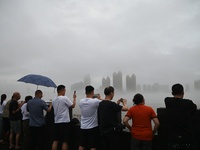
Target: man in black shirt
[[180, 112], [15, 120], [108, 119]]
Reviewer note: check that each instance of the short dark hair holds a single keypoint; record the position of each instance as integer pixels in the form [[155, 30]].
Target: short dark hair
[[108, 90], [89, 89], [60, 88], [177, 89], [38, 92], [27, 98], [138, 99]]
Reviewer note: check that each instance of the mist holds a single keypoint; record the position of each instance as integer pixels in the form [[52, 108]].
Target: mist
[[157, 40]]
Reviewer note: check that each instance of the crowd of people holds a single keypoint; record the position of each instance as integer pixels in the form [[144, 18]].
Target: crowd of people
[[100, 124]]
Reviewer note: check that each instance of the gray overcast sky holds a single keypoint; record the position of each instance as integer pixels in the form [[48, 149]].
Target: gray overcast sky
[[158, 40]]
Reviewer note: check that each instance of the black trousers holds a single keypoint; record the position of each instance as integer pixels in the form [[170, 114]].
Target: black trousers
[[37, 138], [111, 141], [140, 144]]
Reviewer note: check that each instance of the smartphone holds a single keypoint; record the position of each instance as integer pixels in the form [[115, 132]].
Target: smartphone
[[74, 92]]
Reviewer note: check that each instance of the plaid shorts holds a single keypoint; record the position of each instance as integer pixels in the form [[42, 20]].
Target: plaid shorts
[[15, 126]]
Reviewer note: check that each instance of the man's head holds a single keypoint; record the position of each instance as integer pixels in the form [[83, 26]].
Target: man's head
[[109, 92], [16, 96], [89, 90], [61, 90], [138, 99], [38, 94], [177, 89]]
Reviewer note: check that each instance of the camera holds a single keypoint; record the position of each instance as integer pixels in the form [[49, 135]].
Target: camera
[[96, 96]]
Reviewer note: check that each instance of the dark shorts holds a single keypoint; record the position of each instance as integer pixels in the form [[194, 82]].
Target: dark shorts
[[6, 124], [111, 140], [15, 126], [61, 132], [89, 137]]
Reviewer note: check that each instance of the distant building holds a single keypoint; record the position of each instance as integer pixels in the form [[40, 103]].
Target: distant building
[[81, 85], [165, 88], [105, 82], [87, 80], [77, 86], [187, 87], [145, 88], [149, 88], [131, 83], [139, 88], [117, 81], [156, 87], [197, 85]]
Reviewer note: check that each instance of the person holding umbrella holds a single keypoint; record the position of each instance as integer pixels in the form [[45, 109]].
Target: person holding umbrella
[[37, 123]]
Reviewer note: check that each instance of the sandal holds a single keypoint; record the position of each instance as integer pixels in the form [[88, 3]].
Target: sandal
[[18, 148], [3, 142], [12, 147]]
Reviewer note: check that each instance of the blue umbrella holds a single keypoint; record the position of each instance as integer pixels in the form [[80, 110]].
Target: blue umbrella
[[38, 80]]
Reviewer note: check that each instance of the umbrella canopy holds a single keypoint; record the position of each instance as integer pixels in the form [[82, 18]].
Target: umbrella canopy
[[38, 80]]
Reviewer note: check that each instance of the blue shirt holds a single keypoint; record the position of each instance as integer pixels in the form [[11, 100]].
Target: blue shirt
[[35, 107]]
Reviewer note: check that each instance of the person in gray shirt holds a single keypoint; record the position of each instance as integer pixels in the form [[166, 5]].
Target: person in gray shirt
[[35, 108]]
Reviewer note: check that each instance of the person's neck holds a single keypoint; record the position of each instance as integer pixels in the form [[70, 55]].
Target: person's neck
[[108, 98], [60, 94], [89, 96], [178, 96], [37, 97]]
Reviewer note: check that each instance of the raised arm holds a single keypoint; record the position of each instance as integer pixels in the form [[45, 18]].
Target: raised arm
[[74, 100], [124, 103]]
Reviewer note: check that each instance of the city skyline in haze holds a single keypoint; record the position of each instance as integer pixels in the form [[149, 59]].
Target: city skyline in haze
[[158, 40], [129, 83]]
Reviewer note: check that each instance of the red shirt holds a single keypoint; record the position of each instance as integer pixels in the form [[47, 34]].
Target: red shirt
[[141, 116]]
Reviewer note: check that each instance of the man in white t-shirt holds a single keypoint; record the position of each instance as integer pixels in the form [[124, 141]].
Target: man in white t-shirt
[[89, 120], [61, 105]]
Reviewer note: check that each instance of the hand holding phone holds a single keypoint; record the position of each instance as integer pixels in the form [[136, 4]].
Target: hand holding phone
[[74, 96]]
